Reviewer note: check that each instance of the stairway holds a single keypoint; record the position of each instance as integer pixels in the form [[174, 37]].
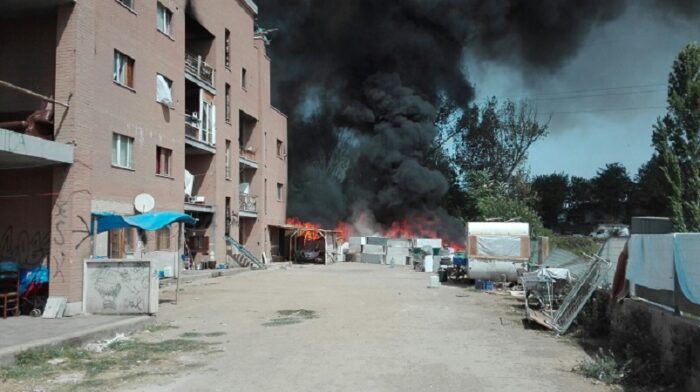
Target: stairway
[[244, 258]]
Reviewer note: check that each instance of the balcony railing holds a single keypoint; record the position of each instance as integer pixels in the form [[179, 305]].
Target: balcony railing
[[249, 203], [194, 130], [195, 66], [248, 153]]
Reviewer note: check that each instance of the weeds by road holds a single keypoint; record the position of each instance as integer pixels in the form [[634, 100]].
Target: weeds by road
[[119, 363]]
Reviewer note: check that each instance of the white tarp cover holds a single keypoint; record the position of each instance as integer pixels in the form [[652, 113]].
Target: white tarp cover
[[189, 183], [498, 246], [651, 261], [163, 93], [498, 228], [686, 248], [555, 273]]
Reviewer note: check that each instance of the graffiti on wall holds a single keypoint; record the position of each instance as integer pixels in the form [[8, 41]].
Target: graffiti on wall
[[26, 247]]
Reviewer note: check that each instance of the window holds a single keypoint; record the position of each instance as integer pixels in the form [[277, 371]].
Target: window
[[122, 148], [228, 160], [163, 239], [164, 90], [227, 48], [244, 82], [122, 242], [127, 3], [163, 161], [280, 148], [279, 191], [163, 18], [227, 109], [123, 69]]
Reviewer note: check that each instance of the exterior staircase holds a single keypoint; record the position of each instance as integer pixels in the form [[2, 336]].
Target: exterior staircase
[[243, 258]]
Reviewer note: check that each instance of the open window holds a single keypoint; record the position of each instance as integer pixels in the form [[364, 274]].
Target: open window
[[123, 69], [164, 90], [163, 19]]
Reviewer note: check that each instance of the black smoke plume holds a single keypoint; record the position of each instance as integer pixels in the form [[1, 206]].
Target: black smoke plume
[[360, 79]]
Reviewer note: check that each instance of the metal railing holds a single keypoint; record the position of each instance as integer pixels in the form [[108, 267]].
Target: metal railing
[[249, 203], [195, 66], [247, 153], [194, 130]]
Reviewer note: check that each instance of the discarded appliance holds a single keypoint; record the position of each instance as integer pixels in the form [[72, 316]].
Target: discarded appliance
[[552, 301], [497, 250]]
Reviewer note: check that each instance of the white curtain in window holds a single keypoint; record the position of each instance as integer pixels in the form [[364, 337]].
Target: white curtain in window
[[163, 93], [160, 18]]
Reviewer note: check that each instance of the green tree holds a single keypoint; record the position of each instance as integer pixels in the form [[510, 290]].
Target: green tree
[[492, 202], [677, 141], [495, 137], [579, 199], [649, 194], [611, 191], [552, 190]]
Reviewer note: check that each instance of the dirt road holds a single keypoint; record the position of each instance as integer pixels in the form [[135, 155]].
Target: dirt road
[[357, 327]]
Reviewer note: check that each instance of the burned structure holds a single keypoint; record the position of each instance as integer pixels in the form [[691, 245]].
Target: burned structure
[[106, 100]]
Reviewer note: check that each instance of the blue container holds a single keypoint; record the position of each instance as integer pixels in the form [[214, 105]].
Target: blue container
[[488, 285]]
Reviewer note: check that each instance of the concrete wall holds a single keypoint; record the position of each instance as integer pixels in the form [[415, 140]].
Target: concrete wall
[[650, 333]]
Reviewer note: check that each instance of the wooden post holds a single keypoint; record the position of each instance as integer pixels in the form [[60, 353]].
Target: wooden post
[[32, 93]]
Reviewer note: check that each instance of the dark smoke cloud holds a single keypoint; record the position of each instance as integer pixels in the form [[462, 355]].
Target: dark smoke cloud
[[377, 68]]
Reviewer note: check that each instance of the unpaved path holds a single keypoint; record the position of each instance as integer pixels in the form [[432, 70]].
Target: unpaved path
[[363, 328]]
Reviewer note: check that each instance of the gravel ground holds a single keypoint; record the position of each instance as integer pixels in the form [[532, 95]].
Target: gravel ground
[[357, 327]]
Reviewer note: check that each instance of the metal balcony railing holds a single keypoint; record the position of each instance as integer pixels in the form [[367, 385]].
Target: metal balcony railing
[[194, 130], [249, 203], [196, 67]]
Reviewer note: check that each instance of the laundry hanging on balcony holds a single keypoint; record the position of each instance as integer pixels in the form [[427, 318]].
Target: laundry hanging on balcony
[[163, 90]]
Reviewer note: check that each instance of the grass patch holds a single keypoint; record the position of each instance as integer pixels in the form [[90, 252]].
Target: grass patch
[[282, 321], [300, 313], [291, 316], [124, 360], [189, 335], [160, 327], [575, 244], [603, 367]]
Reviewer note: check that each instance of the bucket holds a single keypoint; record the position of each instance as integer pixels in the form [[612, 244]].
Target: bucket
[[434, 282], [443, 276]]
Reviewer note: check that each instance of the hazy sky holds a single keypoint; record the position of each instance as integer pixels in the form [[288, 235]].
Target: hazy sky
[[604, 101]]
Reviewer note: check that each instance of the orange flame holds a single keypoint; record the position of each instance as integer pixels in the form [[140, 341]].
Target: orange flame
[[308, 235]]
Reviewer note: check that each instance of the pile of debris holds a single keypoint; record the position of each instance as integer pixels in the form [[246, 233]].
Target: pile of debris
[[426, 252]]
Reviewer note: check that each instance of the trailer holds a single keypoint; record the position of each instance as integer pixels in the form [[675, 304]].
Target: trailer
[[497, 250]]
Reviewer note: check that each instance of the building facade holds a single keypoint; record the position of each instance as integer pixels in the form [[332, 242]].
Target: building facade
[[167, 98]]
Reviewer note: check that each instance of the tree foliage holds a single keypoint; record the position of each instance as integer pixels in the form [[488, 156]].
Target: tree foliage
[[677, 141], [552, 191], [611, 191]]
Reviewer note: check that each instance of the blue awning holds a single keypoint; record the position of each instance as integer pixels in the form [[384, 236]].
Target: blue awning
[[149, 221]]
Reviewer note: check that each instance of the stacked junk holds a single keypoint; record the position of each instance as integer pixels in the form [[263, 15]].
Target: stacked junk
[[554, 287]]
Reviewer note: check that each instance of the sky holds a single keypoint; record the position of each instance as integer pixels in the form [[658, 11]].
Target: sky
[[604, 101]]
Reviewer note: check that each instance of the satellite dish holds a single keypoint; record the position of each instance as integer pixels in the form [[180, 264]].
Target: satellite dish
[[144, 202]]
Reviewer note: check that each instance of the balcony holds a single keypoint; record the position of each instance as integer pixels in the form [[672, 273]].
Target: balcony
[[247, 157], [248, 206], [199, 72], [197, 137]]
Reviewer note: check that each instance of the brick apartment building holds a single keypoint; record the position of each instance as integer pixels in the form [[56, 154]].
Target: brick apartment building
[[162, 96]]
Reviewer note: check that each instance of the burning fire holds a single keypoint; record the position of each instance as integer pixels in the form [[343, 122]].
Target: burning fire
[[406, 228], [308, 235]]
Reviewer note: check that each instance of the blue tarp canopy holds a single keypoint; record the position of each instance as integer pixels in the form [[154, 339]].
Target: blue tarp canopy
[[149, 221]]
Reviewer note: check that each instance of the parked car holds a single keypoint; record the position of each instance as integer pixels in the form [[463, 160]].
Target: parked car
[[606, 231]]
